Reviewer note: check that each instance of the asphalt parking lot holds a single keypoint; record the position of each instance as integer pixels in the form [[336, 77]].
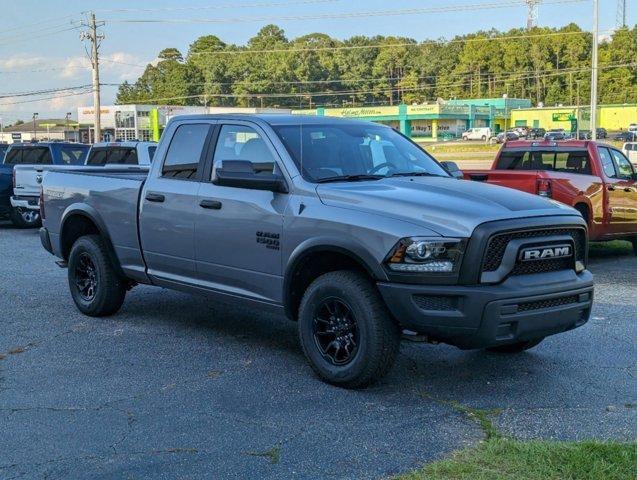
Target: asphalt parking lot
[[176, 387]]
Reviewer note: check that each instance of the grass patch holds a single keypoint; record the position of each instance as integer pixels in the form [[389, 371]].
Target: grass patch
[[609, 249], [502, 458], [507, 459], [461, 147], [273, 454]]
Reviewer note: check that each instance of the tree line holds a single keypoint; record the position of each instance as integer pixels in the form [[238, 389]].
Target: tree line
[[547, 65]]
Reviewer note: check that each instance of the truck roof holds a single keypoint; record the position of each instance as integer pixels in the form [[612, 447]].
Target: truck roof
[[274, 118], [549, 143]]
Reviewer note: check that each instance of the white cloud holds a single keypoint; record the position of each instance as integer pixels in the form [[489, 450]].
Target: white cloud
[[20, 62]]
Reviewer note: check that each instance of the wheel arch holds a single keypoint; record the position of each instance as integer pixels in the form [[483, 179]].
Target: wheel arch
[[308, 262], [80, 220]]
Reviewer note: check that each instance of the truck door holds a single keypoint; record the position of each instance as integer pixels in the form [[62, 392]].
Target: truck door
[[169, 205], [621, 189], [238, 230]]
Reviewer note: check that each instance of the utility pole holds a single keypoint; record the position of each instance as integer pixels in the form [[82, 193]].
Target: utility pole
[[620, 17], [35, 133], [532, 13], [593, 121], [96, 39]]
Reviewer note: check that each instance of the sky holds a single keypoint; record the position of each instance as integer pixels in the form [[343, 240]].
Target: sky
[[40, 50]]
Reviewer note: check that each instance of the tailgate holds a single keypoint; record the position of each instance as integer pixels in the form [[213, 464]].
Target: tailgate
[[523, 180], [28, 179]]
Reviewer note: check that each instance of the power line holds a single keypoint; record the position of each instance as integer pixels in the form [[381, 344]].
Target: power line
[[217, 7], [343, 15], [72, 94], [40, 92]]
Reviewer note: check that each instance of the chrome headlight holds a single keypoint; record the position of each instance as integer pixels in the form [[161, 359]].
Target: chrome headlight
[[426, 255]]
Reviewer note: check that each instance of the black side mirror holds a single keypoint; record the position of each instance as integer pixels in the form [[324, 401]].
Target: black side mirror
[[453, 169], [241, 174]]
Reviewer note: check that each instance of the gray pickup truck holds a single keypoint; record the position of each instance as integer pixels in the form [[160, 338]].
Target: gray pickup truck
[[346, 227]]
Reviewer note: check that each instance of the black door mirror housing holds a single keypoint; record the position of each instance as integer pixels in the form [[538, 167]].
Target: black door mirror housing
[[453, 169], [241, 174]]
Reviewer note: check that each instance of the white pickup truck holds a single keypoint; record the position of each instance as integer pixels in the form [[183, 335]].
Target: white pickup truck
[[130, 155], [630, 150]]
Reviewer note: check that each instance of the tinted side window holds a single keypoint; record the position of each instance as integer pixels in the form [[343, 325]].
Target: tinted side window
[[184, 152], [73, 155], [151, 152], [624, 167], [237, 142], [607, 163], [37, 156], [97, 157], [3, 151], [14, 157], [122, 156]]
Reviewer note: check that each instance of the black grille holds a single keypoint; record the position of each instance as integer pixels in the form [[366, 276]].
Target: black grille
[[498, 243], [553, 302], [427, 302]]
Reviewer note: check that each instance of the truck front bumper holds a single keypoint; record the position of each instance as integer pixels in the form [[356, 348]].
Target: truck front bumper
[[28, 203], [518, 309]]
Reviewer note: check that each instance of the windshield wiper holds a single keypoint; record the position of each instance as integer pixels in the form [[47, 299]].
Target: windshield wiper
[[350, 178], [416, 174]]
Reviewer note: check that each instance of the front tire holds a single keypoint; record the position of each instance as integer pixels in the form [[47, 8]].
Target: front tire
[[96, 287], [346, 332], [24, 218], [516, 347]]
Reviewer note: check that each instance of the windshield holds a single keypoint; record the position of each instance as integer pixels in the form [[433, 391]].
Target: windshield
[[331, 152]]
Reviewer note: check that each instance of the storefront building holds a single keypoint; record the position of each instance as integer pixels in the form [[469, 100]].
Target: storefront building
[[434, 121], [571, 118]]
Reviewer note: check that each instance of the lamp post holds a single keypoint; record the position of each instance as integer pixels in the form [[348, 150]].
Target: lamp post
[[35, 135], [66, 129]]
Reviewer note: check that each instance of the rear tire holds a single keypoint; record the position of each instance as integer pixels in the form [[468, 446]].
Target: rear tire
[[516, 347], [23, 218], [347, 334], [96, 287]]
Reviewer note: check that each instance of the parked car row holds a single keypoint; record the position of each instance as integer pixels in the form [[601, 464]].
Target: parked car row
[[24, 165]]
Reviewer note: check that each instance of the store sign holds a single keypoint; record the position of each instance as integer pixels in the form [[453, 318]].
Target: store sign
[[362, 112], [423, 109], [16, 136], [562, 116]]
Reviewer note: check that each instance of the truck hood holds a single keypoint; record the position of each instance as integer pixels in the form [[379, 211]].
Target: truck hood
[[450, 207]]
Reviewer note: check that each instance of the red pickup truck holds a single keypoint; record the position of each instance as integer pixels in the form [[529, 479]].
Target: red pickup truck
[[595, 178]]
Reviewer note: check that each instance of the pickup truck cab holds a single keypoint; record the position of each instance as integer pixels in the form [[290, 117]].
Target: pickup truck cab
[[121, 153], [23, 209], [346, 227], [594, 178]]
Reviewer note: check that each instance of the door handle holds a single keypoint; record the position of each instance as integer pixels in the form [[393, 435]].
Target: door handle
[[611, 188], [629, 189], [211, 204], [155, 197]]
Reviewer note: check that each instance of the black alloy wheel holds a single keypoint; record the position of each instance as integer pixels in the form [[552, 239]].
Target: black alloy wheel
[[335, 331], [86, 277]]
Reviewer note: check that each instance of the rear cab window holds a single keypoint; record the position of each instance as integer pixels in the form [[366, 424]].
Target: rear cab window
[[73, 155], [559, 160], [29, 156]]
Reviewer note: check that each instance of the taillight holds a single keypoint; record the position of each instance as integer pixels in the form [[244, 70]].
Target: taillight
[[544, 188], [42, 214]]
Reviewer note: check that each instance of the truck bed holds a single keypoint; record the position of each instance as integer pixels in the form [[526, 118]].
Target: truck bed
[[101, 192]]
